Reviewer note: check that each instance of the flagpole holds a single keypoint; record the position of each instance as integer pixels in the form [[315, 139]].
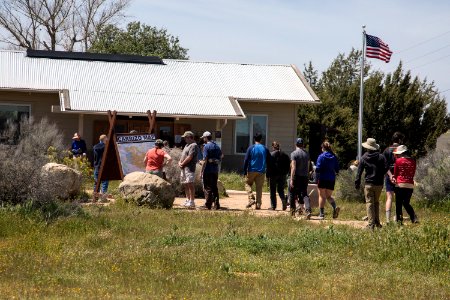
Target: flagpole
[[361, 94]]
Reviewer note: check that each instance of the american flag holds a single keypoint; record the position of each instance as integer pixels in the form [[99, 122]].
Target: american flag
[[376, 48]]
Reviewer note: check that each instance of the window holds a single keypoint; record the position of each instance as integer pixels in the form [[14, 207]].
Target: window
[[14, 113], [246, 129]]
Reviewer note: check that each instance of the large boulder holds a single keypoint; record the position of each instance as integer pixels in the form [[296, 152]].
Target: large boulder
[[147, 189], [60, 181]]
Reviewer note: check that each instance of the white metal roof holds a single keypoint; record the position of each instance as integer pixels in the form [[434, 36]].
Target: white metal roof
[[182, 88]]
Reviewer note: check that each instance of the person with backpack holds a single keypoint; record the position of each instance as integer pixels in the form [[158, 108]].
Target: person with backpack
[[277, 176], [212, 156]]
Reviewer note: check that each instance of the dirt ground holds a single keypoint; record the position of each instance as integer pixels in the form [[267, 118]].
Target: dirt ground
[[237, 201]]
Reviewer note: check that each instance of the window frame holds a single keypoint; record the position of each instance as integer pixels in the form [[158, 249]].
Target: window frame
[[17, 104], [251, 133]]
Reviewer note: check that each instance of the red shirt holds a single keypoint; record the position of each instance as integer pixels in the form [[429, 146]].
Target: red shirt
[[155, 159], [404, 170]]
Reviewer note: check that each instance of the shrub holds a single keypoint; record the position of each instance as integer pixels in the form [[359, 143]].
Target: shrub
[[345, 187], [433, 178], [22, 158], [232, 181], [81, 164]]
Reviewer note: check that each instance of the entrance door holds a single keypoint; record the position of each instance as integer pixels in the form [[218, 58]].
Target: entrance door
[[164, 131]]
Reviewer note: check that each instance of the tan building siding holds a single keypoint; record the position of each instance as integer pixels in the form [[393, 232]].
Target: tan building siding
[[282, 122], [41, 106], [282, 127]]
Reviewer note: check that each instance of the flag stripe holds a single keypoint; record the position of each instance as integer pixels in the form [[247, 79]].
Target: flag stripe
[[376, 48]]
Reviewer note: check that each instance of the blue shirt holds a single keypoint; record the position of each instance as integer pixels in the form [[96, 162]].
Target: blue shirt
[[212, 156], [78, 147], [256, 159]]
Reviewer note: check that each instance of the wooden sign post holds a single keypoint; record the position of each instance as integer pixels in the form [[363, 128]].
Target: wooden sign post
[[111, 167]]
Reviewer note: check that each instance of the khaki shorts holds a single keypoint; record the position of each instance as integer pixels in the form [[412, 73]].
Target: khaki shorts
[[187, 176]]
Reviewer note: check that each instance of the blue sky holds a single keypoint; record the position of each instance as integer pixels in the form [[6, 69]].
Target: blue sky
[[296, 32]]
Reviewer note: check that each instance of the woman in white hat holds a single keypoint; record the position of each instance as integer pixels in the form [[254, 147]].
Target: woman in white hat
[[404, 170]]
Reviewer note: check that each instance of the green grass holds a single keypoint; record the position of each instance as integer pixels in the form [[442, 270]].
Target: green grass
[[123, 251], [235, 181]]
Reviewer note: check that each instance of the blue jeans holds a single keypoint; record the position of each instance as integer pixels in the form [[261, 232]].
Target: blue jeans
[[105, 183]]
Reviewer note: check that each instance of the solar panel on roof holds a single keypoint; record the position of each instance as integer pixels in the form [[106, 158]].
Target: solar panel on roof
[[124, 58]]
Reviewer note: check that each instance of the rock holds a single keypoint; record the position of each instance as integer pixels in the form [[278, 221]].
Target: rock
[[60, 181], [147, 189]]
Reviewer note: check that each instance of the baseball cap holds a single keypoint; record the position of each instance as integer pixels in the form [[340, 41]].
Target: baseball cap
[[299, 141], [188, 133], [206, 134]]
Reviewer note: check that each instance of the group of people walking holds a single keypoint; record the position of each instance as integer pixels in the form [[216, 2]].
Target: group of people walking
[[395, 168], [259, 163]]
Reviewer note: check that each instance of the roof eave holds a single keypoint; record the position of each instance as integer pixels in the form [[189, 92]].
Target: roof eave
[[163, 115], [291, 101], [305, 82]]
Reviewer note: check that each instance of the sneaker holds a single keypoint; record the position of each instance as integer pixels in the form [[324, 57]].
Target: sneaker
[[271, 208], [336, 212], [251, 203], [378, 225], [321, 217], [258, 206], [415, 220], [217, 206], [308, 215], [191, 204], [186, 202]]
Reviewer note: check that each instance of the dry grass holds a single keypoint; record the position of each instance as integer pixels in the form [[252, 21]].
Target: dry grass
[[128, 252]]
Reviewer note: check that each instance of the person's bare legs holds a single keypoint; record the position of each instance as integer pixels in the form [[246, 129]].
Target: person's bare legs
[[389, 197], [322, 200], [190, 193], [330, 199]]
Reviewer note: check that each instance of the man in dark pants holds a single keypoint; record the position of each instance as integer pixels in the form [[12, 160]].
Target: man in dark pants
[[98, 154], [298, 186], [277, 176], [212, 156]]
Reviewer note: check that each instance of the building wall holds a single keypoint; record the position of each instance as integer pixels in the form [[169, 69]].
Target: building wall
[[282, 123], [41, 106], [282, 127]]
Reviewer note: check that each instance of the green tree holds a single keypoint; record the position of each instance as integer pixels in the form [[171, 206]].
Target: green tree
[[138, 39], [392, 102]]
